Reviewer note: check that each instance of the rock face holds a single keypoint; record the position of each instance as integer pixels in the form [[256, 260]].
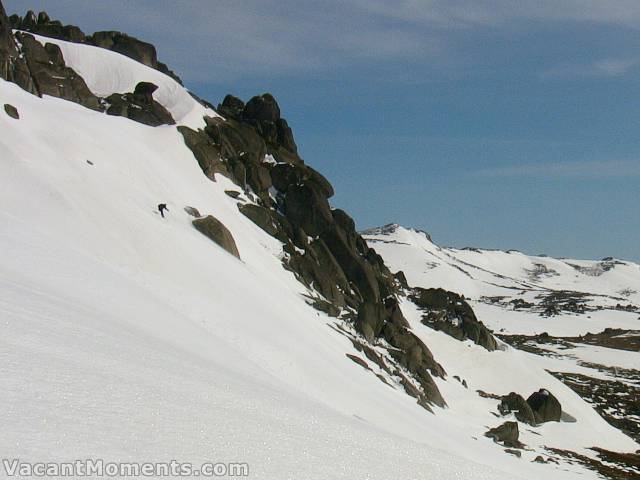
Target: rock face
[[214, 229], [140, 106], [507, 434], [545, 406], [50, 74], [450, 313], [13, 66], [514, 403]]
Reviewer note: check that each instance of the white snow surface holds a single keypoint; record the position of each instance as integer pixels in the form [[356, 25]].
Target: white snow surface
[[106, 72], [129, 337]]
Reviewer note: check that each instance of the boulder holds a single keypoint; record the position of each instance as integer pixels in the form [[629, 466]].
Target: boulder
[[140, 106], [215, 230], [306, 208], [263, 108], [11, 111], [514, 403], [450, 313], [507, 434], [545, 406], [192, 211]]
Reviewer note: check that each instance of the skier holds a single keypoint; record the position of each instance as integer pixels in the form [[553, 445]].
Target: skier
[[162, 207]]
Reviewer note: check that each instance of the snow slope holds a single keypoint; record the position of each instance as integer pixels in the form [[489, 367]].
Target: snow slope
[[482, 274], [131, 337]]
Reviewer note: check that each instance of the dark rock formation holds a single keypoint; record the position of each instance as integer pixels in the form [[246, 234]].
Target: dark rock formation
[[214, 229], [545, 406], [50, 74], [514, 403], [450, 313], [140, 106], [11, 111], [43, 25], [13, 66], [507, 434]]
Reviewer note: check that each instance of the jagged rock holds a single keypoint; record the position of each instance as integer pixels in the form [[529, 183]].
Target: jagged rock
[[518, 405], [233, 193], [545, 406], [50, 74], [205, 151], [11, 111], [450, 313], [263, 108], [140, 106], [507, 434], [401, 279], [231, 107], [214, 229], [13, 66], [43, 25]]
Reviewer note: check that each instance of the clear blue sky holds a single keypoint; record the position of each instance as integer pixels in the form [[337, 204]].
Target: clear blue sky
[[498, 124]]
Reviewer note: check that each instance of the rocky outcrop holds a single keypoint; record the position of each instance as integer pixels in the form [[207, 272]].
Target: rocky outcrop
[[140, 106], [450, 313], [215, 230], [13, 65], [50, 74], [43, 25], [124, 44], [516, 404], [546, 407], [506, 434], [321, 245]]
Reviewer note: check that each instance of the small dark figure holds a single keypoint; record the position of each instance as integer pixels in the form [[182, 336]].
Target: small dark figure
[[162, 207]]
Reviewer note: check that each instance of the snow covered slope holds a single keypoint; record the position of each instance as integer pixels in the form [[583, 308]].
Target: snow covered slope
[[130, 337]]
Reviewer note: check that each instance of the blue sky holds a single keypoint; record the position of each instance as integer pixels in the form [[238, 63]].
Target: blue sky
[[490, 123]]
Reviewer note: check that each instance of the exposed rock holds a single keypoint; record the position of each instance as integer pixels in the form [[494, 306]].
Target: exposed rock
[[131, 47], [450, 313], [140, 106], [514, 403], [545, 406], [13, 66], [192, 211], [233, 193], [43, 25], [205, 151], [231, 107], [261, 217], [263, 108], [507, 434], [214, 229], [11, 111]]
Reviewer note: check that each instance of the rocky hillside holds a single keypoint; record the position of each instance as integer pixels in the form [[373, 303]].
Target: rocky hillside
[[303, 299]]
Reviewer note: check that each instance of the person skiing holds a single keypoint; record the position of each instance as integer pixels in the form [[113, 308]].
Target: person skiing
[[162, 207]]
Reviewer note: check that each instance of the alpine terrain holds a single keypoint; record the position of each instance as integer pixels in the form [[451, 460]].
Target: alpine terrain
[[251, 323]]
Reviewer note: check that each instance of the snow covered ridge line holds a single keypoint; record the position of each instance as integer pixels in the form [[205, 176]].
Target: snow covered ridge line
[[100, 468]]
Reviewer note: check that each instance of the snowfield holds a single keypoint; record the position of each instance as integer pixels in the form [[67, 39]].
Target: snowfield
[[129, 337]]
